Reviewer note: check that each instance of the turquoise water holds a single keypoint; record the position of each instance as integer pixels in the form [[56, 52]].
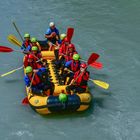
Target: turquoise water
[[109, 28]]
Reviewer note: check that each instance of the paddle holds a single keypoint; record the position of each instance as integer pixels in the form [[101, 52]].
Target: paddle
[[17, 30], [11, 38], [15, 41], [25, 101], [96, 65], [70, 32], [10, 72], [93, 57], [102, 84], [7, 49]]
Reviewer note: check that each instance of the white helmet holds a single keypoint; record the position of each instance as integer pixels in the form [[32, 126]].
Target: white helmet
[[52, 24]]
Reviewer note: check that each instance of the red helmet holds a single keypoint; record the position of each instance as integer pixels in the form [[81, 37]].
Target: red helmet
[[66, 39], [31, 56], [71, 46], [83, 65]]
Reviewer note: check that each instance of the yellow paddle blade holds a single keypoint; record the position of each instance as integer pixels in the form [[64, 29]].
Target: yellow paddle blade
[[5, 74], [101, 84], [11, 38], [10, 72]]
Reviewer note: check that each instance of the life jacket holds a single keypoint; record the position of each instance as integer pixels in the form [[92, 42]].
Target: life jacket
[[63, 49], [26, 43], [36, 44], [69, 56], [33, 64], [36, 80], [37, 56], [81, 79], [75, 66]]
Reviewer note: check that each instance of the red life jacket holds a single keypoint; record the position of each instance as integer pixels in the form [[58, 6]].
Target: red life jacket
[[69, 56], [38, 55], [26, 43], [36, 80], [75, 66], [63, 49], [33, 64], [81, 78]]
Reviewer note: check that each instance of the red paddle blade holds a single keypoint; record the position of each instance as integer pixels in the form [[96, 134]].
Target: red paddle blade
[[25, 101], [97, 65], [5, 49], [93, 57], [70, 32]]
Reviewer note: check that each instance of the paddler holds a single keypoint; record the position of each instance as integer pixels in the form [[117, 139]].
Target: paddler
[[71, 67], [30, 60], [34, 42], [40, 80], [26, 42], [80, 80], [52, 35]]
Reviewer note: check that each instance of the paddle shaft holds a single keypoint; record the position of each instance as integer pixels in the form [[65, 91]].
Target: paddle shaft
[[31, 82], [17, 31]]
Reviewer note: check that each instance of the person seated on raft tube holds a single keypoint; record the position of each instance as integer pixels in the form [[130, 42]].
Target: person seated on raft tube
[[34, 43], [72, 65], [56, 50], [64, 47], [65, 58], [40, 82], [80, 80], [30, 60], [71, 51], [26, 42], [62, 37], [52, 35], [36, 53], [62, 52]]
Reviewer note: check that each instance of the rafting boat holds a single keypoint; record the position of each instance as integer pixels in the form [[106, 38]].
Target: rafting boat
[[52, 104]]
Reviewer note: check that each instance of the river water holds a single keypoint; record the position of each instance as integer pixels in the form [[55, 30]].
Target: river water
[[107, 27]]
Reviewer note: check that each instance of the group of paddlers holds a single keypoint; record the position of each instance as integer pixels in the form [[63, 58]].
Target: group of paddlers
[[74, 74]]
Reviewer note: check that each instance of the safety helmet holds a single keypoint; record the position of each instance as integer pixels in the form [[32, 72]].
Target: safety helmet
[[76, 57], [26, 35], [28, 69], [66, 39], [83, 65], [62, 97], [31, 56], [71, 46], [34, 48], [51, 24], [33, 40], [62, 36]]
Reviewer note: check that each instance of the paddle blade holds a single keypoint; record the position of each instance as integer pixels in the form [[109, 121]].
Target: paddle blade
[[25, 101], [5, 49], [10, 72], [70, 32], [12, 39], [5, 74], [102, 84], [93, 57], [97, 65]]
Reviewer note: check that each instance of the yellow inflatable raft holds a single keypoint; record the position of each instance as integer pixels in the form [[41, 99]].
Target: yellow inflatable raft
[[51, 104]]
